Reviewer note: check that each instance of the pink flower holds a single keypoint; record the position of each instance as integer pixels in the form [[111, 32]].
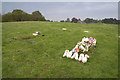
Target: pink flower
[[90, 39]]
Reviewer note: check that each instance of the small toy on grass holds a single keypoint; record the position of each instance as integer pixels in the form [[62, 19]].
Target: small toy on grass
[[36, 33]]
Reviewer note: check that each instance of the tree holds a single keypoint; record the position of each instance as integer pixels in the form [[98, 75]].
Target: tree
[[7, 17], [19, 15], [110, 21], [88, 20], [26, 17], [37, 16], [62, 21], [79, 19], [0, 17], [68, 20], [48, 20]]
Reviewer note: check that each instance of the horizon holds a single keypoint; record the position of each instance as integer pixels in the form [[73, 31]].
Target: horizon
[[57, 11]]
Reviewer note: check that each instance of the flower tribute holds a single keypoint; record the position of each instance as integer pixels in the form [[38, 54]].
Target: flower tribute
[[78, 52]]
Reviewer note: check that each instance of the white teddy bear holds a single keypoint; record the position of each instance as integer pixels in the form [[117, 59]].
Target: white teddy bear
[[66, 53], [94, 42], [81, 57], [69, 54], [84, 59], [75, 55]]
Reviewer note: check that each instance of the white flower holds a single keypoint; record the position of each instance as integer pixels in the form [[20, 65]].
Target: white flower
[[86, 31], [64, 29]]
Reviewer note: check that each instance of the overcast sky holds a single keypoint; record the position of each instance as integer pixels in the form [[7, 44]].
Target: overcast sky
[[62, 10]]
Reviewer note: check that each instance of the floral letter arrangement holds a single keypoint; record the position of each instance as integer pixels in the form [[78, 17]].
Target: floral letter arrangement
[[80, 49]]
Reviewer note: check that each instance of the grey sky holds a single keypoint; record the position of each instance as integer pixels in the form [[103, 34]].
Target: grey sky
[[60, 0], [61, 10]]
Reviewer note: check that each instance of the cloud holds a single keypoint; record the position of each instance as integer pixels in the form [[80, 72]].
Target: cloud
[[84, 10], [63, 10]]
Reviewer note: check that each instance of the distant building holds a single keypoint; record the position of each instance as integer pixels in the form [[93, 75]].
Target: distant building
[[74, 20]]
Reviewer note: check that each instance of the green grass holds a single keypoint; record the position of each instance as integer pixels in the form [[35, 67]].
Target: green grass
[[43, 59]]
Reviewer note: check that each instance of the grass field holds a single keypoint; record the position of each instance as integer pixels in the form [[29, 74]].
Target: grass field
[[41, 57]]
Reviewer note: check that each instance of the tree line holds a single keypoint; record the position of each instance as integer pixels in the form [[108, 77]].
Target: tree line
[[91, 20], [19, 15]]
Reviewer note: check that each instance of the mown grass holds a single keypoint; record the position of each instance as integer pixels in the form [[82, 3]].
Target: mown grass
[[41, 57]]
